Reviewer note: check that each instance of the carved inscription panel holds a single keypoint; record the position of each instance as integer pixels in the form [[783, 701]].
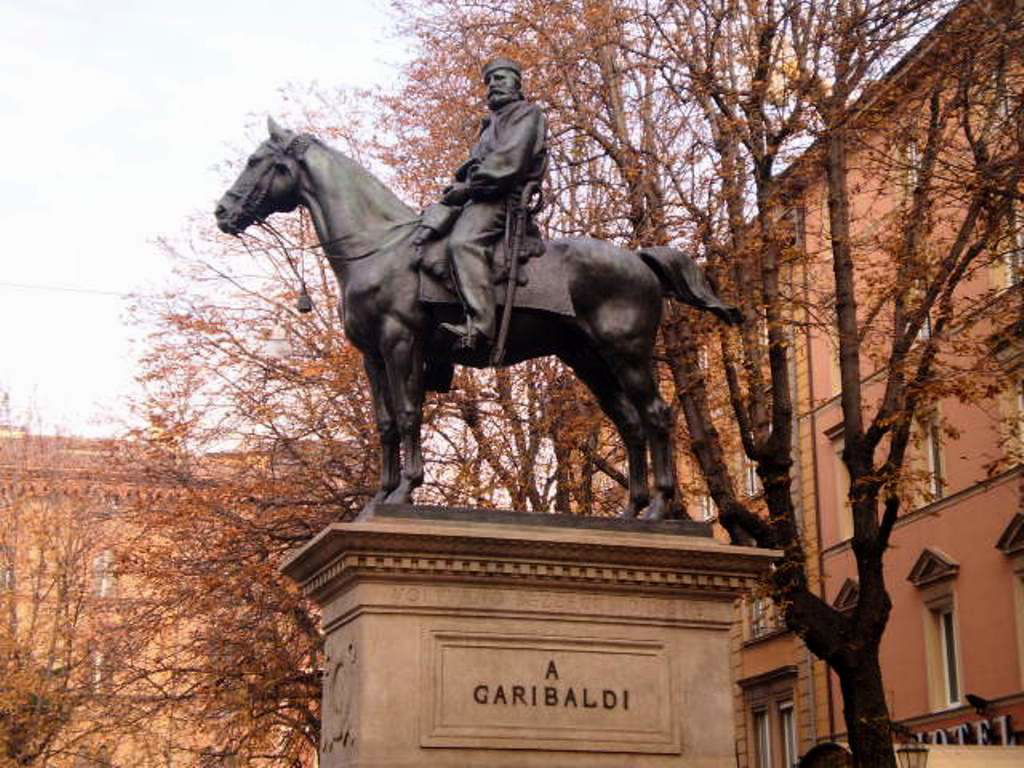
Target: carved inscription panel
[[522, 692]]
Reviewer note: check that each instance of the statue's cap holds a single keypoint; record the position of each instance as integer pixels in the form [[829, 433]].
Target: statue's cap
[[501, 63]]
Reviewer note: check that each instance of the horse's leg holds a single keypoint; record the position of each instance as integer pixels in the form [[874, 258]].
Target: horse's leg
[[594, 373], [638, 381], [387, 429], [404, 363]]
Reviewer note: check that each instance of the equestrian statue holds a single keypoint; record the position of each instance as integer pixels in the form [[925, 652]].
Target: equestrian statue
[[421, 293]]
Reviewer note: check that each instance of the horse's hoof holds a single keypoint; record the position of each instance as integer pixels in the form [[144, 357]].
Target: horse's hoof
[[381, 497], [655, 511], [399, 496]]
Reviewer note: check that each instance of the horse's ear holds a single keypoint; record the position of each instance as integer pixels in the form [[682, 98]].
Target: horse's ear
[[277, 133]]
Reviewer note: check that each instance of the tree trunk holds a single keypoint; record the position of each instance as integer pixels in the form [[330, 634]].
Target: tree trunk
[[563, 474], [866, 712]]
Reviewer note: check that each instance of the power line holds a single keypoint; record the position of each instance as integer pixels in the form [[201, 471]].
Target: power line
[[65, 289], [100, 292]]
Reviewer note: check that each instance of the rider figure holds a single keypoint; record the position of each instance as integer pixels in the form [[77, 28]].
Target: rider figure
[[510, 152]]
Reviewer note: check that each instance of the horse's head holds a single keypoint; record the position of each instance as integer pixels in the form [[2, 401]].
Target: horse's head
[[268, 184]]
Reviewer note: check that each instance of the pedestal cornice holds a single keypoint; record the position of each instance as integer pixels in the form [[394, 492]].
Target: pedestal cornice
[[396, 548]]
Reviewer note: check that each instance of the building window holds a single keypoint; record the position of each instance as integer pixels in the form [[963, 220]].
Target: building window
[[934, 574], [771, 734], [702, 358], [787, 734], [794, 221], [915, 300], [751, 482], [945, 681], [764, 619], [949, 655], [835, 371], [1013, 259], [1018, 599], [759, 617], [936, 481], [844, 512], [1019, 392], [100, 671], [104, 579], [1014, 265], [706, 507], [925, 331], [912, 167], [927, 462], [847, 597], [98, 664], [1012, 412], [763, 739], [1011, 544], [7, 577]]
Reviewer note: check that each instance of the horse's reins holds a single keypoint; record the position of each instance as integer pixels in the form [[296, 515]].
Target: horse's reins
[[340, 257]]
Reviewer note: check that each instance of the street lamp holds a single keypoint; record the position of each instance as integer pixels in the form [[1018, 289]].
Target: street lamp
[[913, 754]]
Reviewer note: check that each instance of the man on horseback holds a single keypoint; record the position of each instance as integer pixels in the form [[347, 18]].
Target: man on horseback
[[613, 296], [510, 153]]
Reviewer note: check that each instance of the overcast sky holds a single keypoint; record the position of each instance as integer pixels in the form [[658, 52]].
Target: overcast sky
[[113, 115]]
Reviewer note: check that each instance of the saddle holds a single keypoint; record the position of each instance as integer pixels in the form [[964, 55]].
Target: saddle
[[541, 281], [434, 258]]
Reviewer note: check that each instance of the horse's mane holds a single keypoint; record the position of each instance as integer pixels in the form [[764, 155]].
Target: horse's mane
[[386, 199], [366, 215]]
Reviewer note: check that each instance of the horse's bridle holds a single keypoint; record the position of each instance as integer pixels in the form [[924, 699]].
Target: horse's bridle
[[295, 150]]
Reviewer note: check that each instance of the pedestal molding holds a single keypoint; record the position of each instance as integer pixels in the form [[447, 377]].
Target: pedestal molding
[[663, 563]]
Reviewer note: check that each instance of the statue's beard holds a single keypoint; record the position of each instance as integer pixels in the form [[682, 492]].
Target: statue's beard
[[499, 97]]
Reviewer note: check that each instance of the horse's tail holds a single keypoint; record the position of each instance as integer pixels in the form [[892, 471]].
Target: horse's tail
[[683, 279]]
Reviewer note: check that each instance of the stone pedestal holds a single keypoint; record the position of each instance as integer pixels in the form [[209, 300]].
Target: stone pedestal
[[476, 640]]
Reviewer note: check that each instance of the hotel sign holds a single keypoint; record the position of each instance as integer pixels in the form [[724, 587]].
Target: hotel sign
[[994, 731]]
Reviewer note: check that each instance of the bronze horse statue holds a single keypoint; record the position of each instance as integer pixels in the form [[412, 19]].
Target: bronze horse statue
[[366, 233]]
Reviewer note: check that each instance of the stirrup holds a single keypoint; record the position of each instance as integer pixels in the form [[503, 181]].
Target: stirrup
[[467, 337]]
